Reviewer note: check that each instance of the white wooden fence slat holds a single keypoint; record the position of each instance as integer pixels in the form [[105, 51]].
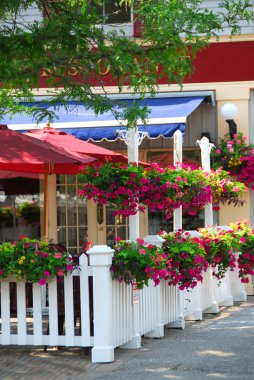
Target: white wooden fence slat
[[69, 310], [37, 313], [84, 301], [21, 312], [5, 312], [53, 313]]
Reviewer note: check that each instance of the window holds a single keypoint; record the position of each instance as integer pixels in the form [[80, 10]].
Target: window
[[71, 214], [114, 13]]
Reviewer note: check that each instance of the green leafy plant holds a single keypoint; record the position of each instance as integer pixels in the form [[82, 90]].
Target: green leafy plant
[[33, 260]]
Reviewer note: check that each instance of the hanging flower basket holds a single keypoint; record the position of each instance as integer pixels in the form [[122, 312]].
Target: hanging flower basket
[[225, 189], [129, 188], [6, 215], [170, 188], [236, 157], [30, 213]]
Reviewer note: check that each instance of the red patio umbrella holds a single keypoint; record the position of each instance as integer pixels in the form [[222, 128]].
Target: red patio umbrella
[[23, 154], [75, 146]]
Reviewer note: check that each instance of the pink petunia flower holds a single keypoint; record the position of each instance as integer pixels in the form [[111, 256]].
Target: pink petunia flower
[[58, 255], [42, 281], [140, 241]]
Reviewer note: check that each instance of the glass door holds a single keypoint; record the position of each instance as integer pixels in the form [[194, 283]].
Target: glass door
[[72, 221], [116, 226]]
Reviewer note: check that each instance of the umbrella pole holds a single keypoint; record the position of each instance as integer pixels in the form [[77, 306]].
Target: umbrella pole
[[45, 206]]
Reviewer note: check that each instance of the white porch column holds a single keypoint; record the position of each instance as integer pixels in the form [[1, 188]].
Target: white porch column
[[178, 160], [100, 261], [206, 148], [133, 138], [51, 232]]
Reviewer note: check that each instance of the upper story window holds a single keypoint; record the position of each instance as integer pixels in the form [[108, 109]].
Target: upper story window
[[114, 13]]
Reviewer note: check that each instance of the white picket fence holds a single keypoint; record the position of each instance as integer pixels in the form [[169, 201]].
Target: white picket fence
[[111, 314]]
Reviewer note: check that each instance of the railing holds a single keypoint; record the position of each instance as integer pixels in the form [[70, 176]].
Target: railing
[[109, 314], [41, 323]]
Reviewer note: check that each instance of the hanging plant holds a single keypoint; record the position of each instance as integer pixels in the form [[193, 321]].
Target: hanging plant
[[236, 157], [225, 190], [129, 188], [117, 185], [6, 215], [167, 189], [29, 212]]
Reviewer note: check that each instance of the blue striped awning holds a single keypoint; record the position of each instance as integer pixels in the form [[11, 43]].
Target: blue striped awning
[[167, 115]]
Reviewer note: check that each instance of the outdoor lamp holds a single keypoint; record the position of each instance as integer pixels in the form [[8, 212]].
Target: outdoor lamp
[[229, 112]]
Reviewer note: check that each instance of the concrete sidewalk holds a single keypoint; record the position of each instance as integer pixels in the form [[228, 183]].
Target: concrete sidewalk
[[219, 347]]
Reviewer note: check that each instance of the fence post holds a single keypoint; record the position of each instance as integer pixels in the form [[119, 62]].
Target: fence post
[[178, 160], [206, 148], [100, 261], [238, 288], [197, 315], [180, 322]]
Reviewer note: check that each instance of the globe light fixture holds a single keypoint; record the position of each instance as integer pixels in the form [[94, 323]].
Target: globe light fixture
[[229, 112]]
